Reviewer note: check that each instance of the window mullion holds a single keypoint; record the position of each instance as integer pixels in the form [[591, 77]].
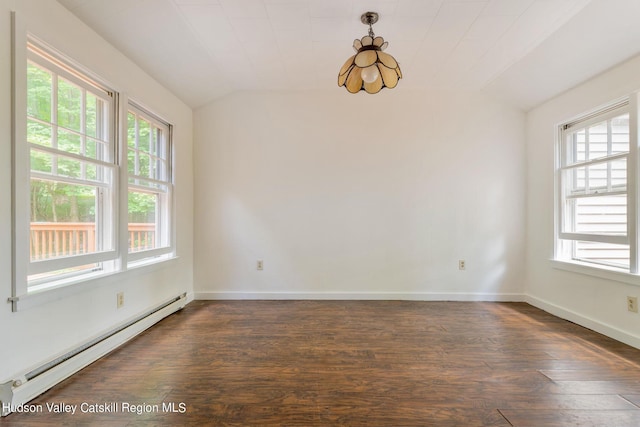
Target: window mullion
[[83, 131], [587, 157], [54, 120], [136, 146]]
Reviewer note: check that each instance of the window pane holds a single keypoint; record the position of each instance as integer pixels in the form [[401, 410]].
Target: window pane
[[91, 148], [131, 130], [38, 133], [71, 168], [143, 165], [144, 135], [143, 230], [620, 134], [147, 148], [90, 172], [618, 174], [580, 148], [598, 177], [69, 105], [95, 149], [602, 253], [38, 93], [69, 142], [63, 219], [597, 141], [41, 161], [597, 215], [598, 136], [160, 168], [580, 180], [131, 162], [91, 115]]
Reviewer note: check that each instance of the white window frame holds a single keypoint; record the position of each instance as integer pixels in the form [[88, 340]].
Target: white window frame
[[165, 211], [23, 294], [561, 259], [108, 204], [30, 49]]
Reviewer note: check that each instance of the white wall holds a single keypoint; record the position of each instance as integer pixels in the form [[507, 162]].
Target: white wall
[[596, 303], [359, 196], [34, 335]]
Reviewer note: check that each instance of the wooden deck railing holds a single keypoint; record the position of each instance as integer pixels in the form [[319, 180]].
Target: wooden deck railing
[[53, 239], [141, 236]]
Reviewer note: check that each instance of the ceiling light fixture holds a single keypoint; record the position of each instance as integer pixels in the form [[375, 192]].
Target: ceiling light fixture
[[370, 69]]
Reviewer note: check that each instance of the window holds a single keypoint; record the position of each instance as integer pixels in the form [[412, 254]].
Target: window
[[595, 210], [70, 138], [149, 180], [76, 169]]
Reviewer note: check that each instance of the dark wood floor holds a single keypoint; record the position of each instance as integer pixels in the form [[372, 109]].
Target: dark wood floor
[[374, 363]]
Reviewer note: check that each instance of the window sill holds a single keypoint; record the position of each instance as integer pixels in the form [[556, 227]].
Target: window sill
[[82, 284], [602, 272]]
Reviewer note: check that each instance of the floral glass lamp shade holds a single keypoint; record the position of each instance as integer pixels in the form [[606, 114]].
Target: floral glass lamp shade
[[370, 69]]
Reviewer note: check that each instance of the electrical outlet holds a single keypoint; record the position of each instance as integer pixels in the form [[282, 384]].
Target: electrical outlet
[[120, 299], [260, 265], [461, 265], [632, 304]]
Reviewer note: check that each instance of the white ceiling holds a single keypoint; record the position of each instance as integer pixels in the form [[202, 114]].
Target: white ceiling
[[204, 49]]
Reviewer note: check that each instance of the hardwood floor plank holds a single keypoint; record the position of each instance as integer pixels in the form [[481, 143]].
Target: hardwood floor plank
[[442, 417], [545, 364], [594, 387], [635, 399], [555, 418], [374, 363], [589, 375], [569, 401]]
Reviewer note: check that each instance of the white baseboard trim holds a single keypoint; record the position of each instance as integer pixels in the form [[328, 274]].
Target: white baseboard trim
[[587, 322], [408, 296], [23, 391]]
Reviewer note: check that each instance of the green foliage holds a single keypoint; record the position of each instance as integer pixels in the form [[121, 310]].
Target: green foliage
[[59, 202], [38, 93], [140, 148], [69, 105], [142, 207], [55, 201]]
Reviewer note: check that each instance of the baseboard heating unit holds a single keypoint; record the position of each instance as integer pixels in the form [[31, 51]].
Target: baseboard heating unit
[[33, 383]]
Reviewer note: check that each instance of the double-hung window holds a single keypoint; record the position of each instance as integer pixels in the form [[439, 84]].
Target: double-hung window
[[149, 185], [595, 222], [92, 179], [72, 181]]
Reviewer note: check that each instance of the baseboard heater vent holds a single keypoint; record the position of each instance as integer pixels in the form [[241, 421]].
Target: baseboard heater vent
[[35, 382]]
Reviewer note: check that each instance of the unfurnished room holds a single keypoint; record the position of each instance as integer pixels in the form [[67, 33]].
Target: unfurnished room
[[320, 212]]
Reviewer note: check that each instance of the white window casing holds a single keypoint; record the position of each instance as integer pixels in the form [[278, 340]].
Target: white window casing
[[596, 188], [149, 166], [76, 145]]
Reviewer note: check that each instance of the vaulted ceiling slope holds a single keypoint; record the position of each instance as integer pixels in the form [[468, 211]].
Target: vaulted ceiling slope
[[524, 50]]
